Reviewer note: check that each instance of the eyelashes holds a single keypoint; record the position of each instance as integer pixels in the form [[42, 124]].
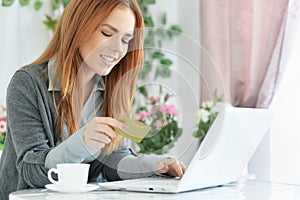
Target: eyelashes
[[125, 41], [106, 34]]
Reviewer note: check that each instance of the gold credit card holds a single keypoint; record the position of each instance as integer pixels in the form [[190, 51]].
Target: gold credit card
[[136, 130]]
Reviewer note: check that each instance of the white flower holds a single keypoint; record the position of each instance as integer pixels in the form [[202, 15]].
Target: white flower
[[219, 106], [207, 105], [203, 115]]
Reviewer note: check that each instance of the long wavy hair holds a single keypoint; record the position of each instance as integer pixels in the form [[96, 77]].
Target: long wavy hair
[[77, 23]]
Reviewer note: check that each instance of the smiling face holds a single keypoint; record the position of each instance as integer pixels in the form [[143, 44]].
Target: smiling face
[[109, 43]]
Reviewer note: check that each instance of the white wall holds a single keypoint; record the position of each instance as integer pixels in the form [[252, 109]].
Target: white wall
[[22, 39], [285, 129]]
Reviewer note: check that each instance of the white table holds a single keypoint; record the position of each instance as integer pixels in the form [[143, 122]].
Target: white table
[[250, 190]]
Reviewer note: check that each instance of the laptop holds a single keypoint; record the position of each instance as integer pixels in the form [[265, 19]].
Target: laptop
[[220, 159]]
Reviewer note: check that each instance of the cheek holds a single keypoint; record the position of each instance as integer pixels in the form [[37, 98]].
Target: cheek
[[85, 50], [90, 47]]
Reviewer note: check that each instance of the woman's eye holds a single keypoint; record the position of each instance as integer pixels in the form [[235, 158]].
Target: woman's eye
[[125, 41], [106, 34]]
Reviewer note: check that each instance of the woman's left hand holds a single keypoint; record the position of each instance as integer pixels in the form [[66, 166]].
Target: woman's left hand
[[171, 167]]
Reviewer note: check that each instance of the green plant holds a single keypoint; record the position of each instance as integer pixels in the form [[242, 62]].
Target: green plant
[[206, 115], [50, 21], [161, 117], [154, 37]]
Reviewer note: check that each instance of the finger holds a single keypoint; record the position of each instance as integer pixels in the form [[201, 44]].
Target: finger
[[103, 128], [101, 137], [111, 122], [183, 167], [177, 168]]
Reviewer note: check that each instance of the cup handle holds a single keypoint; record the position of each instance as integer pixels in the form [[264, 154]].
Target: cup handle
[[52, 170]]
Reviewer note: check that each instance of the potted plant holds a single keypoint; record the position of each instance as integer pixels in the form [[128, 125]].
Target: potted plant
[[161, 115]]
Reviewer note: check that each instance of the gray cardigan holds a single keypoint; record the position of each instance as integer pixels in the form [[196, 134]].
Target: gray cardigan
[[31, 134]]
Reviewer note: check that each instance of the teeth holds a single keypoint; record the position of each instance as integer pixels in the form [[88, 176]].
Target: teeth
[[108, 59]]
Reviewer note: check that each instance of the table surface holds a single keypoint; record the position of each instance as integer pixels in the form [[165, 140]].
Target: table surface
[[246, 190]]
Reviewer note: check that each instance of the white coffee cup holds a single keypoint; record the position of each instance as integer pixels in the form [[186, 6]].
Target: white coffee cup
[[71, 175]]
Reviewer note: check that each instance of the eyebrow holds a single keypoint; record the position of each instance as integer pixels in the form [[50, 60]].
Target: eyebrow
[[116, 30]]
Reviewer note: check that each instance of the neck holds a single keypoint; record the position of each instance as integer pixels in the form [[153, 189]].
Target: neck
[[86, 83]]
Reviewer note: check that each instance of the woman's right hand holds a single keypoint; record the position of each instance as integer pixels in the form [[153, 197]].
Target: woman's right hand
[[100, 131]]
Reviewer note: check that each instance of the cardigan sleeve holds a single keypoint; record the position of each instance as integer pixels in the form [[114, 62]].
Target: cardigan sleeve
[[28, 132]]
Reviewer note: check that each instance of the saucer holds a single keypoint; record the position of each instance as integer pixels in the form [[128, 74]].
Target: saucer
[[58, 188]]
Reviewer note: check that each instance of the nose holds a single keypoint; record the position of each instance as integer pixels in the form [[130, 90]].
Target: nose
[[117, 45]]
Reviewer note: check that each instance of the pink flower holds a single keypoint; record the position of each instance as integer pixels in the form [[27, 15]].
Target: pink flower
[[154, 109], [3, 118], [171, 110], [153, 100], [141, 116], [158, 124], [164, 109], [2, 126]]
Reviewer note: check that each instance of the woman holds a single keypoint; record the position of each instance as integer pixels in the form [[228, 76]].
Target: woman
[[65, 106]]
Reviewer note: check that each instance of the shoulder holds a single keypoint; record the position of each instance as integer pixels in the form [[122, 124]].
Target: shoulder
[[31, 75], [36, 72]]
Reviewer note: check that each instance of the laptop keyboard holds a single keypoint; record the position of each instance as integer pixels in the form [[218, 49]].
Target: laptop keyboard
[[171, 182]]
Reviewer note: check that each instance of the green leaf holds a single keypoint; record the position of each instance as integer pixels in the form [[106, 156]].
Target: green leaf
[[163, 71], [38, 5], [24, 2], [164, 19], [50, 22], [7, 3], [2, 139], [166, 62], [66, 2], [143, 91], [157, 55], [148, 21], [174, 30], [147, 67], [161, 32], [140, 109], [148, 1], [150, 38], [56, 4]]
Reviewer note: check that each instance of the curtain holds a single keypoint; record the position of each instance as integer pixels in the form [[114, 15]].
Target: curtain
[[248, 46], [243, 42], [22, 37]]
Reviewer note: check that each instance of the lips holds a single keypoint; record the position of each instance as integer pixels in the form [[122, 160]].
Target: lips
[[109, 60]]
